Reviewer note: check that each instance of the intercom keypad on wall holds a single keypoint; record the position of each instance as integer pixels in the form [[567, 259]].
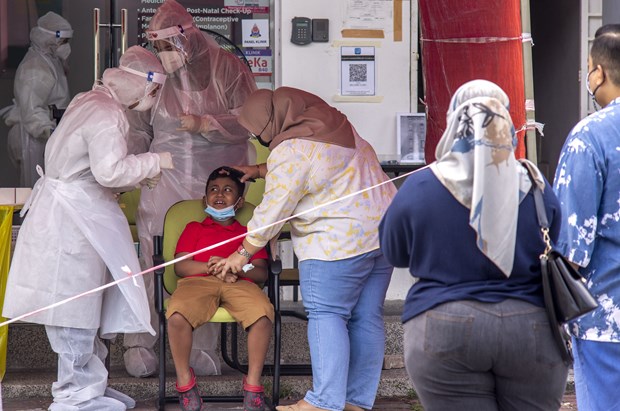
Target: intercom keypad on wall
[[301, 31], [305, 31]]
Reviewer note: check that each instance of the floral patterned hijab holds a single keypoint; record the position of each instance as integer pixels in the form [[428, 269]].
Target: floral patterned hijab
[[476, 163]]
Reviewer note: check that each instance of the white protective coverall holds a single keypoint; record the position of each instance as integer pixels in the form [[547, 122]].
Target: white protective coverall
[[74, 229], [210, 84], [40, 81]]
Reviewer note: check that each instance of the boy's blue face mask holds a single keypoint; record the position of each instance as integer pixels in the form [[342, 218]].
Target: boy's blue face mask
[[222, 214]]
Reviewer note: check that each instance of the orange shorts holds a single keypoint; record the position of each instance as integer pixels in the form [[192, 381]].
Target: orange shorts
[[198, 298]]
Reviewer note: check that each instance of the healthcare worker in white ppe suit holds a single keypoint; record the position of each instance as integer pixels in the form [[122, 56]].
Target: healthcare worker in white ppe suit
[[74, 229], [195, 120], [40, 81]]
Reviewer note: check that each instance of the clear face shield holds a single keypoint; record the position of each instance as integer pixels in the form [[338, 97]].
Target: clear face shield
[[170, 46], [59, 34], [150, 97], [62, 40]]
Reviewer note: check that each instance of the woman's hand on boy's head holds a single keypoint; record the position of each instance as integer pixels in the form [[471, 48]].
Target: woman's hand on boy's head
[[250, 173]]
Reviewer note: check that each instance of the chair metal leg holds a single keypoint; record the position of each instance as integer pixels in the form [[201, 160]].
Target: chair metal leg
[[274, 293], [295, 293], [277, 345], [231, 359], [159, 302], [289, 369]]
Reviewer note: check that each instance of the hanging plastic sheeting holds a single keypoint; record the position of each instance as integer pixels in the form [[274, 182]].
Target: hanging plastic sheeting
[[6, 221], [464, 40]]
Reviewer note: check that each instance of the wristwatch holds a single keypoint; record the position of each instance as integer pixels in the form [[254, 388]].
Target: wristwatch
[[244, 252]]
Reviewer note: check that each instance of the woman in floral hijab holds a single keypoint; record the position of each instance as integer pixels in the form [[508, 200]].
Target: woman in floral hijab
[[476, 333]]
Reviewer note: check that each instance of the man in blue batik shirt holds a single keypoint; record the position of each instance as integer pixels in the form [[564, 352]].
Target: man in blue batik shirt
[[587, 183]]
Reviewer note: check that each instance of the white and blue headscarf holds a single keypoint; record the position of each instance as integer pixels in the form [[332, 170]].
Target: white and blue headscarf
[[476, 163]]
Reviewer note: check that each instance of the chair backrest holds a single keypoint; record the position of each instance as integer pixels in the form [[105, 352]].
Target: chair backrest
[[177, 217], [256, 189], [128, 202]]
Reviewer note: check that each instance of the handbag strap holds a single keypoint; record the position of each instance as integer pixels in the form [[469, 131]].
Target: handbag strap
[[556, 330], [540, 207], [541, 213]]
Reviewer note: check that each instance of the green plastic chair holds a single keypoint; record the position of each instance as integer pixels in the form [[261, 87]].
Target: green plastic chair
[[177, 217], [128, 201], [256, 189]]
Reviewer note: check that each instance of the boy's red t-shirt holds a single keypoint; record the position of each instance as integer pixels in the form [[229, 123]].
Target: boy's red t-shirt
[[198, 235]]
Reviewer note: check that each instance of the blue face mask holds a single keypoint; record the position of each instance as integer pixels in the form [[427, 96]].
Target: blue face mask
[[222, 214]]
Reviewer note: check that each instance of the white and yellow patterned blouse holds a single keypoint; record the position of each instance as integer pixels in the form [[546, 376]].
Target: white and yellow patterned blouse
[[303, 174]]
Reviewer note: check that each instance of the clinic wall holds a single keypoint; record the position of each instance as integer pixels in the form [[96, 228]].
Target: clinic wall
[[316, 68]]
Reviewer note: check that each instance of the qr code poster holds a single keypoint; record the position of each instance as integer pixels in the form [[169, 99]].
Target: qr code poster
[[411, 136], [358, 71]]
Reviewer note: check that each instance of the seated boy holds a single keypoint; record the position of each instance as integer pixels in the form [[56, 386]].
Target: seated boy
[[201, 290]]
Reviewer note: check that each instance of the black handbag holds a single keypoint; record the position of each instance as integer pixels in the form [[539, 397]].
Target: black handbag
[[565, 292]]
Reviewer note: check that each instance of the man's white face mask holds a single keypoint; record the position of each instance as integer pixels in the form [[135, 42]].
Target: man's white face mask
[[144, 104], [63, 51], [171, 60]]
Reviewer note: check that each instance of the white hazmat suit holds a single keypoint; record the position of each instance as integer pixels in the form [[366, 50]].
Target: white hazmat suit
[[74, 229], [196, 121], [40, 81]]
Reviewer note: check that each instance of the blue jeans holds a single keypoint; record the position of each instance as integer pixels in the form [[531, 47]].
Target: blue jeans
[[597, 375], [344, 301], [474, 356]]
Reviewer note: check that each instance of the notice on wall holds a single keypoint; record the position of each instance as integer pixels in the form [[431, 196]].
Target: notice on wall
[[257, 6], [411, 137], [221, 18], [216, 19], [255, 32], [357, 77], [239, 26], [369, 14]]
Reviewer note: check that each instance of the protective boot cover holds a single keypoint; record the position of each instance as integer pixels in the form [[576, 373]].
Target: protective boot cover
[[102, 353], [141, 360], [82, 376]]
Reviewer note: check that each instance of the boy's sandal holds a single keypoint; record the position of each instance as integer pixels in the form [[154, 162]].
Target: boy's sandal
[[189, 396], [253, 397]]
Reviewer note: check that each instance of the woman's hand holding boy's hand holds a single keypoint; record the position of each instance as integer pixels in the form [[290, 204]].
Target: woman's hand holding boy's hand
[[222, 275], [213, 260], [226, 277], [233, 264]]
